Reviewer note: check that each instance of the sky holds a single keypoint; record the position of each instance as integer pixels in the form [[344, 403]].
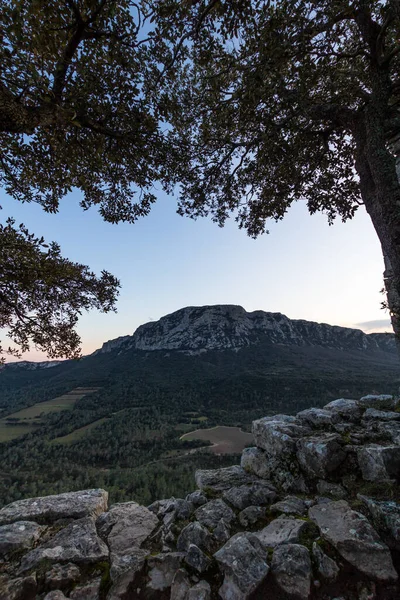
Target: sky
[[304, 268]]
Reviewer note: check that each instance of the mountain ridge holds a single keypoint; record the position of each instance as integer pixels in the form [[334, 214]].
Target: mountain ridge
[[196, 329]]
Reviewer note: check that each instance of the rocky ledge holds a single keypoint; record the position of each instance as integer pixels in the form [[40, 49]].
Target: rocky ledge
[[312, 512]]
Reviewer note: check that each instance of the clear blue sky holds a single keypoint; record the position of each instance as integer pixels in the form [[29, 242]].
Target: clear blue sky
[[304, 268]]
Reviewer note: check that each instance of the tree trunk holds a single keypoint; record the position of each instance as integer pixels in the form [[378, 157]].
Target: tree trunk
[[380, 189]]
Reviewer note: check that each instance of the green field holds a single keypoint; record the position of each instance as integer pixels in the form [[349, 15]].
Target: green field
[[25, 420], [225, 440], [78, 434]]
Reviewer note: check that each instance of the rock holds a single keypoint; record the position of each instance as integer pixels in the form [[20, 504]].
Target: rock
[[196, 559], [55, 595], [318, 418], [180, 585], [61, 577], [211, 513], [283, 530], [381, 415], [257, 494], [382, 402], [21, 588], [222, 532], [78, 543], [46, 510], [162, 507], [218, 480], [251, 515], [89, 591], [291, 505], [126, 526], [386, 519], [347, 409], [18, 536], [194, 533], [197, 498], [182, 510], [354, 538], [255, 460], [200, 591], [162, 569], [277, 437], [390, 430], [291, 568], [320, 454], [243, 560], [326, 488], [327, 567], [379, 463]]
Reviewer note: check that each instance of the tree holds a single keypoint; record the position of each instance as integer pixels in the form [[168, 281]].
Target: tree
[[288, 100], [42, 294], [74, 113]]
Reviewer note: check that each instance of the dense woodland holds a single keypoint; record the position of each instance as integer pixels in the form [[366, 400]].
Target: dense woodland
[[148, 400]]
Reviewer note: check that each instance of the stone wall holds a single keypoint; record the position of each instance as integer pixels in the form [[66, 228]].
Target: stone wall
[[311, 512]]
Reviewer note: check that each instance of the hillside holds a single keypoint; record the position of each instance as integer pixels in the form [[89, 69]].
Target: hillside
[[146, 390]]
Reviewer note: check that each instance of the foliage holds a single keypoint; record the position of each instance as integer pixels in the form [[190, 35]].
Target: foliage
[[42, 294]]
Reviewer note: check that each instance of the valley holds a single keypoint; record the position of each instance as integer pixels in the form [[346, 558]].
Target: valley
[[136, 421]]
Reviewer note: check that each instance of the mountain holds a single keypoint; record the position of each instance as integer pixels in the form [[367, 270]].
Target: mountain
[[115, 418], [193, 330]]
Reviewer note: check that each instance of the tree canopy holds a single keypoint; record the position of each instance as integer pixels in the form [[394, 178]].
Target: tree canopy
[[243, 106]]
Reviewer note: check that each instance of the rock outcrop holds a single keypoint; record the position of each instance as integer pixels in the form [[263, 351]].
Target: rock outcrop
[[312, 512]]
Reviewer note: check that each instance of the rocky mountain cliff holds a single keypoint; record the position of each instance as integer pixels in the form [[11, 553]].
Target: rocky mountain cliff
[[199, 329], [305, 516]]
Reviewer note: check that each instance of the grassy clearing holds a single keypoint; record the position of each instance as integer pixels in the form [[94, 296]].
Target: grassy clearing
[[26, 419], [225, 440], [78, 434]]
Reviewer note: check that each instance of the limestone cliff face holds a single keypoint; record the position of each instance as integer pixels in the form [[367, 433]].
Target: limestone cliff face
[[200, 329]]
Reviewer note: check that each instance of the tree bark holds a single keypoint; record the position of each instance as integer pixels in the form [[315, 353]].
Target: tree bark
[[380, 190]]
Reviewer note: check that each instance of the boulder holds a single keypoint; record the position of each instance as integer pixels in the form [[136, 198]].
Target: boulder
[[321, 454], [243, 561], [355, 539], [283, 530], [21, 588], [126, 526], [197, 498], [222, 532], [196, 559], [211, 513], [277, 437], [291, 568], [89, 591], [162, 569], [381, 415], [390, 430], [182, 510], [180, 585], [381, 402], [55, 595], [251, 515], [200, 591], [18, 536], [255, 460], [194, 533], [218, 480], [291, 505], [77, 543], [46, 510], [257, 494], [379, 463], [61, 577], [326, 488], [327, 567], [345, 408], [318, 418], [386, 518]]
